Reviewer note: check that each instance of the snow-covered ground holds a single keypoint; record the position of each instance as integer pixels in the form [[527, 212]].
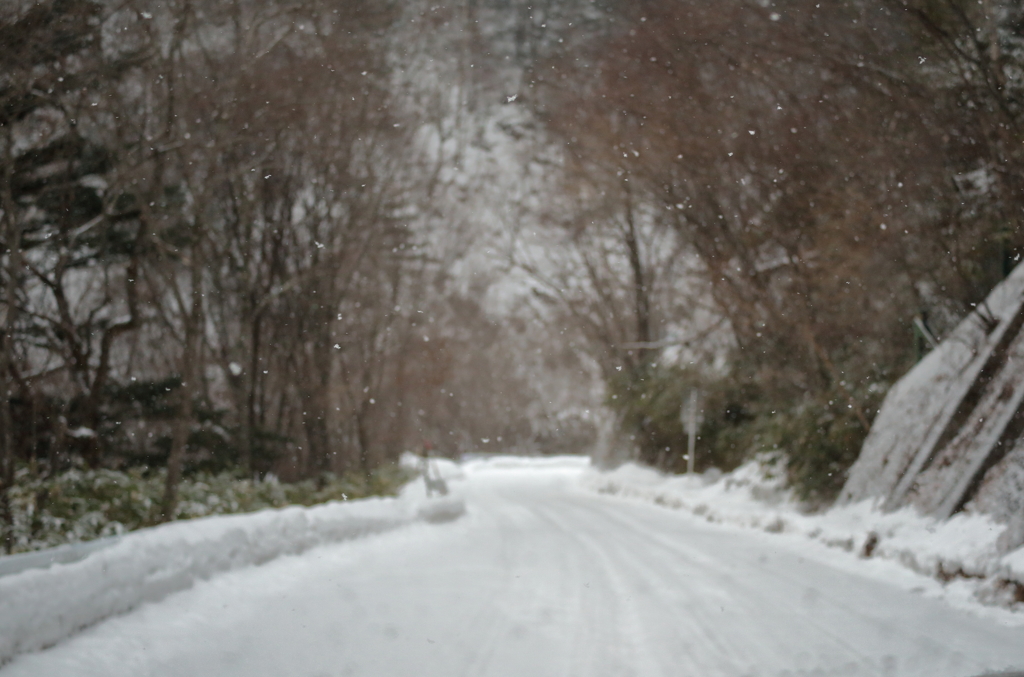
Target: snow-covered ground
[[545, 576], [42, 605], [961, 554]]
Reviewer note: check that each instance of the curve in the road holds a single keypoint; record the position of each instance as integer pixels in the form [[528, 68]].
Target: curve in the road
[[542, 578]]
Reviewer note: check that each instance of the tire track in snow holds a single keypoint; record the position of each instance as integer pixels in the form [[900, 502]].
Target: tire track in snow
[[609, 605], [828, 628]]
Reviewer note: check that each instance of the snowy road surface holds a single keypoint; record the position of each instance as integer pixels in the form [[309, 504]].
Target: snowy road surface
[[543, 578]]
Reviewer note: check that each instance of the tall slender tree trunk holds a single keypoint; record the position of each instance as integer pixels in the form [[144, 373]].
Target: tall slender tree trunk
[[248, 418], [12, 238], [640, 292], [314, 403], [193, 321], [317, 437], [366, 463], [247, 436]]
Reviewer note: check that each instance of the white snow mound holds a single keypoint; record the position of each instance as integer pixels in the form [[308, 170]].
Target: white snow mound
[[502, 462], [962, 549], [40, 607]]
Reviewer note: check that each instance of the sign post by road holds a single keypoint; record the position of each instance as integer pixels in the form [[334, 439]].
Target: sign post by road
[[691, 417]]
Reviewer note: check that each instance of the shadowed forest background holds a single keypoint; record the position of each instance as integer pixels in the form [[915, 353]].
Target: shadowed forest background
[[252, 251]]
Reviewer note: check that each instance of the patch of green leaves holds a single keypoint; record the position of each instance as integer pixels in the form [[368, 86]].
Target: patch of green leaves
[[80, 504]]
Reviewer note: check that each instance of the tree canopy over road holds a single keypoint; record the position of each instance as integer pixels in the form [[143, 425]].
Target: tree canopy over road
[[297, 237]]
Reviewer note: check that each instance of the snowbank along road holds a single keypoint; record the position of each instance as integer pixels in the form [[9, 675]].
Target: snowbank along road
[[541, 577]]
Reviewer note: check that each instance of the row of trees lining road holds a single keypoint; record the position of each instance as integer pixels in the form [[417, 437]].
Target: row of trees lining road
[[298, 237], [834, 183], [226, 247], [182, 191]]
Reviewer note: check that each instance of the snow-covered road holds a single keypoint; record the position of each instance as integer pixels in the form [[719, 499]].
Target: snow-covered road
[[544, 578]]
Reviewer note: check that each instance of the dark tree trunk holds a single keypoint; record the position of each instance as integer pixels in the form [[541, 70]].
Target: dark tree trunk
[[12, 237], [190, 375]]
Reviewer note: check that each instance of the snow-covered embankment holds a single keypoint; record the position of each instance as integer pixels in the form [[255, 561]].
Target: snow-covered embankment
[[961, 552], [40, 607]]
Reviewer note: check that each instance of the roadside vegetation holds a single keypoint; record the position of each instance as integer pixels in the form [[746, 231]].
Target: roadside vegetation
[[81, 504], [781, 204]]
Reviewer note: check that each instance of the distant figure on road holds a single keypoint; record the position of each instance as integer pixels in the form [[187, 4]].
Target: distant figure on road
[[433, 483]]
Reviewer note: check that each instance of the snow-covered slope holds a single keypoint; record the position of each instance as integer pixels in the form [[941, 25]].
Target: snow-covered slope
[[924, 411]]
